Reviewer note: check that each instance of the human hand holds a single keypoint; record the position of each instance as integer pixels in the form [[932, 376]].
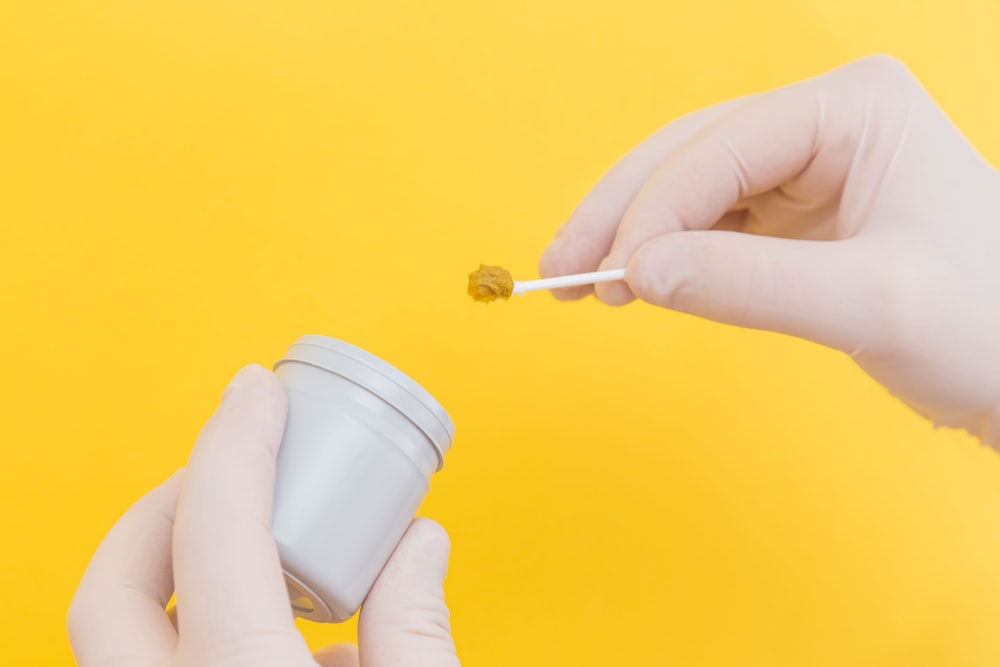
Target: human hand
[[846, 209], [205, 533]]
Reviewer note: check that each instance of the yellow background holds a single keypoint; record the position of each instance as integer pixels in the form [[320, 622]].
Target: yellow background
[[188, 186]]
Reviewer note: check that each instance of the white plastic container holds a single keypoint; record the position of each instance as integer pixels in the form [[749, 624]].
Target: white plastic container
[[360, 446]]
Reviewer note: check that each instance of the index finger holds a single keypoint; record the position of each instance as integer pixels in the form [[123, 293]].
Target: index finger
[[584, 240], [815, 131]]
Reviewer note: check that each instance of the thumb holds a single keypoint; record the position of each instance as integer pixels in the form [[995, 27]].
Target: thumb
[[404, 621], [817, 290]]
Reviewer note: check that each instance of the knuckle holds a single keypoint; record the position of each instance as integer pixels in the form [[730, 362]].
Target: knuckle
[[665, 275], [76, 615], [73, 618], [248, 646], [898, 291], [885, 70]]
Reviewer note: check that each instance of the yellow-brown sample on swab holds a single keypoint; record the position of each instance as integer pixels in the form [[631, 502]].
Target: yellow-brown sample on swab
[[490, 283]]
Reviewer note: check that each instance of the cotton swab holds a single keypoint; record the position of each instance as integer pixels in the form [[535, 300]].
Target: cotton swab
[[522, 286], [490, 283]]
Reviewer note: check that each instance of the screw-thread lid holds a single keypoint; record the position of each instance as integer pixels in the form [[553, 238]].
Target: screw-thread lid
[[382, 379]]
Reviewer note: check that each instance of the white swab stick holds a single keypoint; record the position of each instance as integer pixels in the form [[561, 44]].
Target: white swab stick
[[522, 286]]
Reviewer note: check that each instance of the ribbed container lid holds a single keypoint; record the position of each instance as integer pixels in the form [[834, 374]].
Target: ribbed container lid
[[382, 379]]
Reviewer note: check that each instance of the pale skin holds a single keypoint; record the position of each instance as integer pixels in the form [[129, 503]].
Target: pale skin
[[846, 209]]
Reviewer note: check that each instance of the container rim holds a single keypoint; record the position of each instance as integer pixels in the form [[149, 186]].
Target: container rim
[[380, 378]]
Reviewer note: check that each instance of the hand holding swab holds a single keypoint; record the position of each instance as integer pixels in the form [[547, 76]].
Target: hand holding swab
[[490, 283]]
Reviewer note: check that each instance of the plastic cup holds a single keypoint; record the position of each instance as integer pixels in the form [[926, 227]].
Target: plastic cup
[[359, 449]]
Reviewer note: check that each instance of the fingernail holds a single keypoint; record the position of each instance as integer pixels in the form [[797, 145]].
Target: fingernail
[[243, 378], [552, 247], [547, 264], [562, 232], [607, 264]]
